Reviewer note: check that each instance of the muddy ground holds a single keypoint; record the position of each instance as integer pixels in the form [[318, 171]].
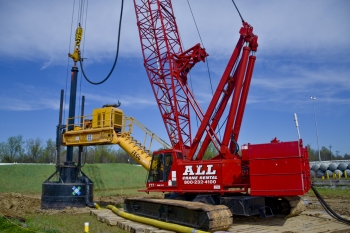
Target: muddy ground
[[19, 205]]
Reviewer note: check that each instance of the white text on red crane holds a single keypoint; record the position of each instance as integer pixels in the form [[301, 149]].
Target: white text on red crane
[[199, 174], [199, 171]]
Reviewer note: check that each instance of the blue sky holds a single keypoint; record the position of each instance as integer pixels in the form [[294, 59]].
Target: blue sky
[[303, 51]]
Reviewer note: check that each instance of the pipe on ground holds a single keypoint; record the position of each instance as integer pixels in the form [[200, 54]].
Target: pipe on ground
[[153, 222]]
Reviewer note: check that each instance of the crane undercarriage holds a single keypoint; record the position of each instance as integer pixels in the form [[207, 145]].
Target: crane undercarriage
[[213, 217]]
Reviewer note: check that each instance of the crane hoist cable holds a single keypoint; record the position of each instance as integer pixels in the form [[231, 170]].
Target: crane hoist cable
[[238, 11], [78, 36], [81, 12], [211, 86], [80, 60], [234, 68], [207, 61], [67, 72]]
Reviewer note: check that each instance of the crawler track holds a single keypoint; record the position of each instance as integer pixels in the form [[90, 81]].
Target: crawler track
[[193, 214]]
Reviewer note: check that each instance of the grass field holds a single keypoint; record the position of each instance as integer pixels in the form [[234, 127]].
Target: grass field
[[109, 180], [56, 224], [341, 192]]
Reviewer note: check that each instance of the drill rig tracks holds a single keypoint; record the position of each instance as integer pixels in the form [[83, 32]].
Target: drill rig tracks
[[193, 214]]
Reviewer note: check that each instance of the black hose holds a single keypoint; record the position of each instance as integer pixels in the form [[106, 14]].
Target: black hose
[[328, 208], [116, 55], [87, 182]]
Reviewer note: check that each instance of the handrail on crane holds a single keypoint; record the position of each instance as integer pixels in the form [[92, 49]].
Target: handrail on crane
[[127, 129], [109, 126]]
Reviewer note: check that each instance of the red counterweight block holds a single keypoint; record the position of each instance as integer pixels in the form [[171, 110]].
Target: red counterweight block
[[278, 168]]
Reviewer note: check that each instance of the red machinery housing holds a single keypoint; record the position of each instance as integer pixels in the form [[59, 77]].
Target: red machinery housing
[[277, 168], [272, 169]]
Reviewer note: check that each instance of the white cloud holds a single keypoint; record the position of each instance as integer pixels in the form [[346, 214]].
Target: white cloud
[[27, 97], [282, 85], [46, 64], [38, 29], [125, 100]]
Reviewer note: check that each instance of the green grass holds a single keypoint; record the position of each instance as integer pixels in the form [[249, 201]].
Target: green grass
[[340, 191], [56, 224], [329, 192], [24, 178], [116, 176], [70, 223], [107, 178], [14, 226]]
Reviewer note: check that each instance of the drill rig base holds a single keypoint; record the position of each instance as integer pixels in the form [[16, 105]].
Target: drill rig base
[[72, 188]]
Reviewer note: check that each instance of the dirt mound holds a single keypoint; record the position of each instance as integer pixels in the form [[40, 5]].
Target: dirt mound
[[17, 205], [112, 200]]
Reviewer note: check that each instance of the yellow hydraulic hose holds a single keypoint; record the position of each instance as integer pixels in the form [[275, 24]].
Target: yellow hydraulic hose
[[97, 206], [153, 222]]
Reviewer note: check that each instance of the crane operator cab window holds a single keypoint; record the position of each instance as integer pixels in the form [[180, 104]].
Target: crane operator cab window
[[160, 167]]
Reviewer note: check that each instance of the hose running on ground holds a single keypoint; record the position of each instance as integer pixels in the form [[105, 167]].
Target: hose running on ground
[[328, 208]]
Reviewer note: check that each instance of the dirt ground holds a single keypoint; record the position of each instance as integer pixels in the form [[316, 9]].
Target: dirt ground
[[19, 205], [340, 205]]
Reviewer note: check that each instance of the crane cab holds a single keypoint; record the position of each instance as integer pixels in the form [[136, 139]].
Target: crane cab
[[161, 166], [170, 172]]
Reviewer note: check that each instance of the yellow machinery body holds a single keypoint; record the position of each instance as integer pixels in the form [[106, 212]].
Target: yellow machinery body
[[107, 126], [107, 117]]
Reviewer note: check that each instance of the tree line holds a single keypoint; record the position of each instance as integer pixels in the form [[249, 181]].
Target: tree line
[[15, 149], [325, 154]]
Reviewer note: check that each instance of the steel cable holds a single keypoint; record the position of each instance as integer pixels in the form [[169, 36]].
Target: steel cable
[[207, 61], [80, 83], [211, 86], [68, 59], [238, 11]]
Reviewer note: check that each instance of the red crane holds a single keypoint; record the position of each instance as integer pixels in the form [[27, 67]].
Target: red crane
[[277, 169]]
